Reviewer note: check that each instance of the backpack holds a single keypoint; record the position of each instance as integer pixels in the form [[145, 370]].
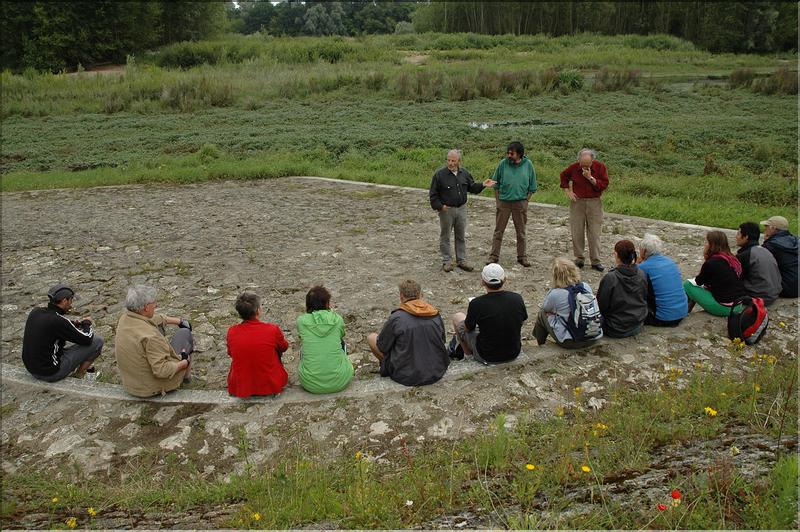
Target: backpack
[[584, 321], [750, 323]]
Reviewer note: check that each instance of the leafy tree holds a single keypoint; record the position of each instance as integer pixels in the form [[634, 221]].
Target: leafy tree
[[324, 19]]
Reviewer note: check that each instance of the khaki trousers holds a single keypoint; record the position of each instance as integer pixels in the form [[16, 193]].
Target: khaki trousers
[[518, 212], [586, 217]]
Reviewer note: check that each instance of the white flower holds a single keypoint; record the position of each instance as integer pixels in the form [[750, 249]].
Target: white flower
[[409, 503]]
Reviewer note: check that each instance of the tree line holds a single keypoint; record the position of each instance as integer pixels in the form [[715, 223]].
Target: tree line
[[716, 26]]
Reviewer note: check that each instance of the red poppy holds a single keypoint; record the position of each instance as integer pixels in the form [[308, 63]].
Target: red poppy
[[676, 494], [662, 507]]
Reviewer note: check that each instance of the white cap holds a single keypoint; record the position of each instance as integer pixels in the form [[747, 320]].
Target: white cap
[[493, 274]]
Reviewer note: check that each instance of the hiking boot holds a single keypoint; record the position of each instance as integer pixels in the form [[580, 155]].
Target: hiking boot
[[492, 260], [579, 263], [447, 266], [466, 266], [524, 262], [598, 267]]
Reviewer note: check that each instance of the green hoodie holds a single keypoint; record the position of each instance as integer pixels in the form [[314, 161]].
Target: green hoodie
[[324, 366], [515, 181]]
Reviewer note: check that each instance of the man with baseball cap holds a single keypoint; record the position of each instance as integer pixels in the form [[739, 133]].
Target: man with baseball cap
[[48, 329], [490, 331], [783, 246]]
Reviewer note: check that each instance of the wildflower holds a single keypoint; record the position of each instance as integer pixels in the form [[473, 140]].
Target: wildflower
[[91, 511], [601, 426], [54, 500], [676, 497], [586, 469], [71, 522], [530, 467], [359, 454], [734, 450], [409, 503], [782, 324], [757, 388], [560, 411], [577, 390], [256, 516], [661, 507], [710, 411], [771, 360]]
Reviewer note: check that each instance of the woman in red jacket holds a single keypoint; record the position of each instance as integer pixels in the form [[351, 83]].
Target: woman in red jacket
[[255, 349]]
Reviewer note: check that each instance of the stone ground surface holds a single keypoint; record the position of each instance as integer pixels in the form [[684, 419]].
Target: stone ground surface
[[202, 245]]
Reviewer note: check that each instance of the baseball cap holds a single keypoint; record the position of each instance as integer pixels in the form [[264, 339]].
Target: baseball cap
[[60, 291], [493, 274], [778, 222]]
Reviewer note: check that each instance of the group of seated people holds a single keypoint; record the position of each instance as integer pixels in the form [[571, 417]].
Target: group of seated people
[[644, 288]]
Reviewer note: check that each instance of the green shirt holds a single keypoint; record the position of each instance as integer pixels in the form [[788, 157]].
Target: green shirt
[[515, 181], [324, 366]]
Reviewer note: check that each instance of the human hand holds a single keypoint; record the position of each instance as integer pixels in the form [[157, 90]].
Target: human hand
[[443, 209], [489, 183], [87, 318], [570, 194], [184, 324]]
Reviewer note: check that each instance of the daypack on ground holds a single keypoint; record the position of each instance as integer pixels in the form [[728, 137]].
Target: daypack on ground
[[750, 322], [584, 321]]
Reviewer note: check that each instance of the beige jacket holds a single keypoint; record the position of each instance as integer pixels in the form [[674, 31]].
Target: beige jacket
[[147, 363]]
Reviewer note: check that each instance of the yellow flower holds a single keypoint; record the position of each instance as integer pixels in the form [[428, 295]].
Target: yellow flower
[[54, 500], [756, 387], [710, 411], [771, 360], [257, 516], [560, 411], [586, 469], [530, 467], [723, 394], [577, 390], [601, 426], [71, 522], [782, 324], [91, 511], [359, 454]]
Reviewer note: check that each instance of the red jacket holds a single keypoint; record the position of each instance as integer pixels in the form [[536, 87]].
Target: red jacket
[[256, 368], [580, 185]]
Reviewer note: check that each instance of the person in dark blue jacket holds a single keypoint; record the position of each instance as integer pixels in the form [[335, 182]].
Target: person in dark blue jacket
[[667, 302], [783, 246]]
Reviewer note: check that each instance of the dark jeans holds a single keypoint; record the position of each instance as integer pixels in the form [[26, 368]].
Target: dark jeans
[[655, 322]]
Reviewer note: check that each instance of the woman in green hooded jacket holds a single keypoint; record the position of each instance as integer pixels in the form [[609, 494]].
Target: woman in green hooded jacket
[[324, 366]]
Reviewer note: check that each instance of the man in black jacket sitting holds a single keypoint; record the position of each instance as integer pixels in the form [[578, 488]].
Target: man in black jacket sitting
[[46, 333], [448, 196]]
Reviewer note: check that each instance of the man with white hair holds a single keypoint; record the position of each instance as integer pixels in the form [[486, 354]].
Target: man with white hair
[[148, 363], [491, 330], [584, 182], [448, 196], [666, 299]]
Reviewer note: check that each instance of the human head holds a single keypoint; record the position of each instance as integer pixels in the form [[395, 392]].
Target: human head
[[650, 245], [565, 273], [773, 224], [748, 232], [515, 151], [716, 242], [61, 296], [248, 305], [141, 299], [625, 252], [453, 159], [318, 298], [493, 276], [586, 156], [409, 290]]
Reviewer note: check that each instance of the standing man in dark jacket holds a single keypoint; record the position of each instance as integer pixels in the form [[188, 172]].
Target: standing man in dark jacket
[[783, 246], [411, 344], [448, 196], [584, 182], [760, 273], [46, 333]]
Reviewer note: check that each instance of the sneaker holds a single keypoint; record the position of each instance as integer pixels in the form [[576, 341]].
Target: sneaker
[[91, 374], [579, 263], [524, 263], [447, 266], [466, 266], [598, 267]]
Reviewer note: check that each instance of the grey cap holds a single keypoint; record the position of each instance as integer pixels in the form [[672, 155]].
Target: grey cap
[[60, 291]]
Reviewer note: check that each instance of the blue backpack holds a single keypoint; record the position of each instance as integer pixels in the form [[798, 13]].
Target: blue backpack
[[584, 321]]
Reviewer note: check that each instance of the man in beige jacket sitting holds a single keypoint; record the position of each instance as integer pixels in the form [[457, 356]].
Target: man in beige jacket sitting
[[148, 363]]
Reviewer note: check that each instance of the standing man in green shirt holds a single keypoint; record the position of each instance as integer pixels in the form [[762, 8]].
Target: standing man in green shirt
[[516, 181]]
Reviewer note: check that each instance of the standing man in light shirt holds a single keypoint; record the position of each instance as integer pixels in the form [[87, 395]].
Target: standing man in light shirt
[[515, 180], [584, 182], [448, 196]]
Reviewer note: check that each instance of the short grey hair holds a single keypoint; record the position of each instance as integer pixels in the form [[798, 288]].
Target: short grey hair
[[586, 150], [138, 296], [455, 152], [651, 244]]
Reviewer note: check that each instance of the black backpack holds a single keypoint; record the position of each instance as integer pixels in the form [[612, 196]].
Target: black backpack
[[584, 321], [750, 322]]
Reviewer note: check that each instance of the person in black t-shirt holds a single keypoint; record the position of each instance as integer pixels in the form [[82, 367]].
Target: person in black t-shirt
[[490, 331]]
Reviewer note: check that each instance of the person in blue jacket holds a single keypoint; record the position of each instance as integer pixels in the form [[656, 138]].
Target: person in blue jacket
[[667, 302]]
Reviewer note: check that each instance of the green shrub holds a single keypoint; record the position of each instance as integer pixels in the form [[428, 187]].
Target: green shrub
[[615, 80], [190, 54], [570, 80], [208, 153], [742, 77], [783, 81]]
